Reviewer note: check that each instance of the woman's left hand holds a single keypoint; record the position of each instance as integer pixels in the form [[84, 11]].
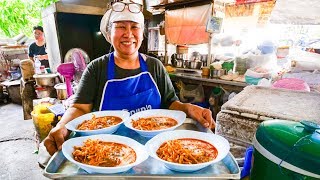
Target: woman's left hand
[[202, 115]]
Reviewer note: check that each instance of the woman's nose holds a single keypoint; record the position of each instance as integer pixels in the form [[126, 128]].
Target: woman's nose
[[128, 32]]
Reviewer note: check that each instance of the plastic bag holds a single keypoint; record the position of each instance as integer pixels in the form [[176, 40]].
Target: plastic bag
[[267, 61]]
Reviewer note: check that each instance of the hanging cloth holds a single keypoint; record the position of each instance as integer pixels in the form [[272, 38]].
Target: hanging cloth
[[188, 25]]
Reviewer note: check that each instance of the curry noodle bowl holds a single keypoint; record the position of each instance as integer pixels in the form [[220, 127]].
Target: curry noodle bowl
[[216, 149], [100, 122], [187, 151], [154, 121], [104, 153]]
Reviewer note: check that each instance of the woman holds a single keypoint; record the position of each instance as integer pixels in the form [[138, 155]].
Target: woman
[[38, 48], [124, 79]]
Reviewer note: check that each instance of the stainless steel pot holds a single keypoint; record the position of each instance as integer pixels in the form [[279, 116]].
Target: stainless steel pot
[[178, 63], [194, 64], [45, 79], [217, 73], [61, 89], [43, 92]]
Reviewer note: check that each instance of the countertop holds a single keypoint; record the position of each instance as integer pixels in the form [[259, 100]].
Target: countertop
[[195, 77]]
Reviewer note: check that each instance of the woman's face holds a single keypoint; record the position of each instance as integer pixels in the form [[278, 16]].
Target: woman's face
[[126, 37], [38, 35]]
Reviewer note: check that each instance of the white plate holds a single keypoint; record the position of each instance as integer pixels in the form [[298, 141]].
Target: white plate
[[179, 116], [220, 143], [72, 125], [68, 148]]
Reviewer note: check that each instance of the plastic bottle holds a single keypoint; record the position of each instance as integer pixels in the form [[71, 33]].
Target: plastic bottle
[[37, 65]]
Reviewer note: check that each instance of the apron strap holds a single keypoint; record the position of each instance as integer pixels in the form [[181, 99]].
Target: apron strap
[[111, 66]]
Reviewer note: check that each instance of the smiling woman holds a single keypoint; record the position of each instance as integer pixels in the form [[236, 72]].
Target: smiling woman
[[124, 79]]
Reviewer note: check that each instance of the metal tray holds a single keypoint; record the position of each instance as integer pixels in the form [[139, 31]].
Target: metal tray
[[59, 167]]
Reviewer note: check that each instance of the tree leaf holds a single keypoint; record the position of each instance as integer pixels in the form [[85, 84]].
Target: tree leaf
[[19, 16]]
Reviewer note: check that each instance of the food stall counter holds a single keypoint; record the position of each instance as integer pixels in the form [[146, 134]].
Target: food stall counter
[[194, 77]]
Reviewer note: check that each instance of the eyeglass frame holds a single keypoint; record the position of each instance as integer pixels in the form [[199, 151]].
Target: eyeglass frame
[[126, 4]]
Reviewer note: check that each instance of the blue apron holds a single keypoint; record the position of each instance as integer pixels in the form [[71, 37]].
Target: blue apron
[[133, 94]]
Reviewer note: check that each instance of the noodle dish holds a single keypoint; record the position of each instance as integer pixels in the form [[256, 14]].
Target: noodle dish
[[104, 153], [186, 150], [100, 122], [152, 122]]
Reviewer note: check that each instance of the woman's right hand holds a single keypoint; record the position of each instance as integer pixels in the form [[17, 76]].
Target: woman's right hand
[[53, 142]]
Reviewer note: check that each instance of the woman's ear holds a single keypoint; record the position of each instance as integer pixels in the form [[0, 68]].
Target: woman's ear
[[109, 37]]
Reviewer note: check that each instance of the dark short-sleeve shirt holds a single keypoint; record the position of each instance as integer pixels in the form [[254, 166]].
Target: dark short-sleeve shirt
[[34, 50], [92, 82]]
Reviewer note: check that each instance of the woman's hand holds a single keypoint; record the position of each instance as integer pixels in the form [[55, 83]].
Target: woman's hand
[[202, 115], [60, 133], [42, 57], [53, 142]]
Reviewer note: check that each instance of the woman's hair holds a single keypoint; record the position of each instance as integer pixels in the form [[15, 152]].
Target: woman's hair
[[40, 28]]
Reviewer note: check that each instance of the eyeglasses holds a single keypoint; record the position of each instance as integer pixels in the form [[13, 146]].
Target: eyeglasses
[[37, 34], [120, 6]]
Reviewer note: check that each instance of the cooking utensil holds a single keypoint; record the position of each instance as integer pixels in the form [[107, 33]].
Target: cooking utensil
[[194, 64], [179, 63], [61, 89], [216, 73]]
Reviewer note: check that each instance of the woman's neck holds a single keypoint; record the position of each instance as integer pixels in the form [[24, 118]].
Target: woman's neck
[[40, 42], [127, 62]]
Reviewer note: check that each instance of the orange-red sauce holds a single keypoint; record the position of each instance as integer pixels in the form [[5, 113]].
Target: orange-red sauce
[[99, 122], [187, 151], [153, 123], [106, 154]]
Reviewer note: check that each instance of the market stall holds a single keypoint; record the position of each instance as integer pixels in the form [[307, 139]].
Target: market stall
[[224, 71]]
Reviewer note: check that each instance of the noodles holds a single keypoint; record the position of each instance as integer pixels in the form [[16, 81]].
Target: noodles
[[106, 154], [99, 122], [187, 151], [153, 123]]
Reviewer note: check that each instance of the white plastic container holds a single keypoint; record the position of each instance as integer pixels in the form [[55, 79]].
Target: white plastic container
[[37, 65]]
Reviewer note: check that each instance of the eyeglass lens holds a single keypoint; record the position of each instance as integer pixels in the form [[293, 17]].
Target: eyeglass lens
[[119, 7]]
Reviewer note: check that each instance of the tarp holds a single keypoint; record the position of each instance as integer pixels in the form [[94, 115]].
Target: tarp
[[296, 12], [187, 25]]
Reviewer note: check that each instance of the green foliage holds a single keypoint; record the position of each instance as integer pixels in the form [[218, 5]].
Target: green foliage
[[19, 16]]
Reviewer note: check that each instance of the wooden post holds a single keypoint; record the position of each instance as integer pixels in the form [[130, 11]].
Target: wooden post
[[209, 50]]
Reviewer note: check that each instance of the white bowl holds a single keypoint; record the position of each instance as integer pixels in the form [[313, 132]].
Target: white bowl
[[72, 125], [68, 148], [179, 116], [220, 143]]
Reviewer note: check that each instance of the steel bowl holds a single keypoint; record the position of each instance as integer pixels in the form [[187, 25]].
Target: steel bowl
[[61, 89], [178, 63], [216, 73], [194, 64], [45, 79]]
